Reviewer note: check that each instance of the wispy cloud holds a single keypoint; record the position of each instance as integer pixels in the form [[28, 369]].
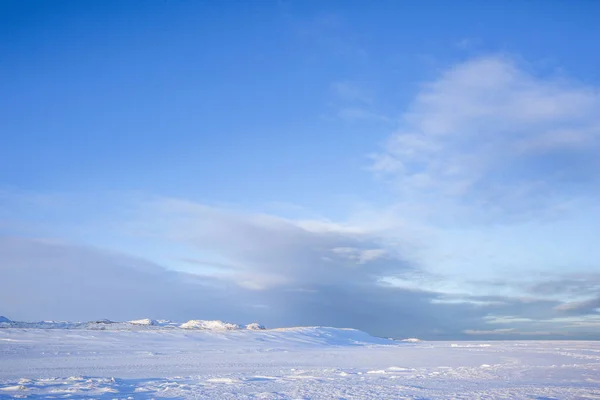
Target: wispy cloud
[[491, 136]]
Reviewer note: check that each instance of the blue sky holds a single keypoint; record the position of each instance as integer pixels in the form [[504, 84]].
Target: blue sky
[[404, 168]]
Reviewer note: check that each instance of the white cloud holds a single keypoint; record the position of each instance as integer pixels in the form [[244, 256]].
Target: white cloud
[[490, 135]]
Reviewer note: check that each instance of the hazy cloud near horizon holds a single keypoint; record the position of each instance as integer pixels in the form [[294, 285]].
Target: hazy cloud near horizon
[[276, 271], [74, 282]]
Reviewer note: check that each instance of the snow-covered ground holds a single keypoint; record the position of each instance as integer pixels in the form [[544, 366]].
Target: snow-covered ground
[[151, 359]]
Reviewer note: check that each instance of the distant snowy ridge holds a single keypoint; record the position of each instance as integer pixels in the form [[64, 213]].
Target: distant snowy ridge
[[138, 324], [145, 321], [255, 326], [210, 325], [411, 340], [251, 333]]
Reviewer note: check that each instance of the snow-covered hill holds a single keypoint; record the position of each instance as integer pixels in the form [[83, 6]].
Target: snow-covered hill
[[251, 333]]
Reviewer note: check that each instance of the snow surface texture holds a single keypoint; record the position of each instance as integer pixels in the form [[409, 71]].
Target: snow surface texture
[[161, 359]]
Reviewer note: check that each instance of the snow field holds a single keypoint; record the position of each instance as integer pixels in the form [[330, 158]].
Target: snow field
[[295, 363]]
